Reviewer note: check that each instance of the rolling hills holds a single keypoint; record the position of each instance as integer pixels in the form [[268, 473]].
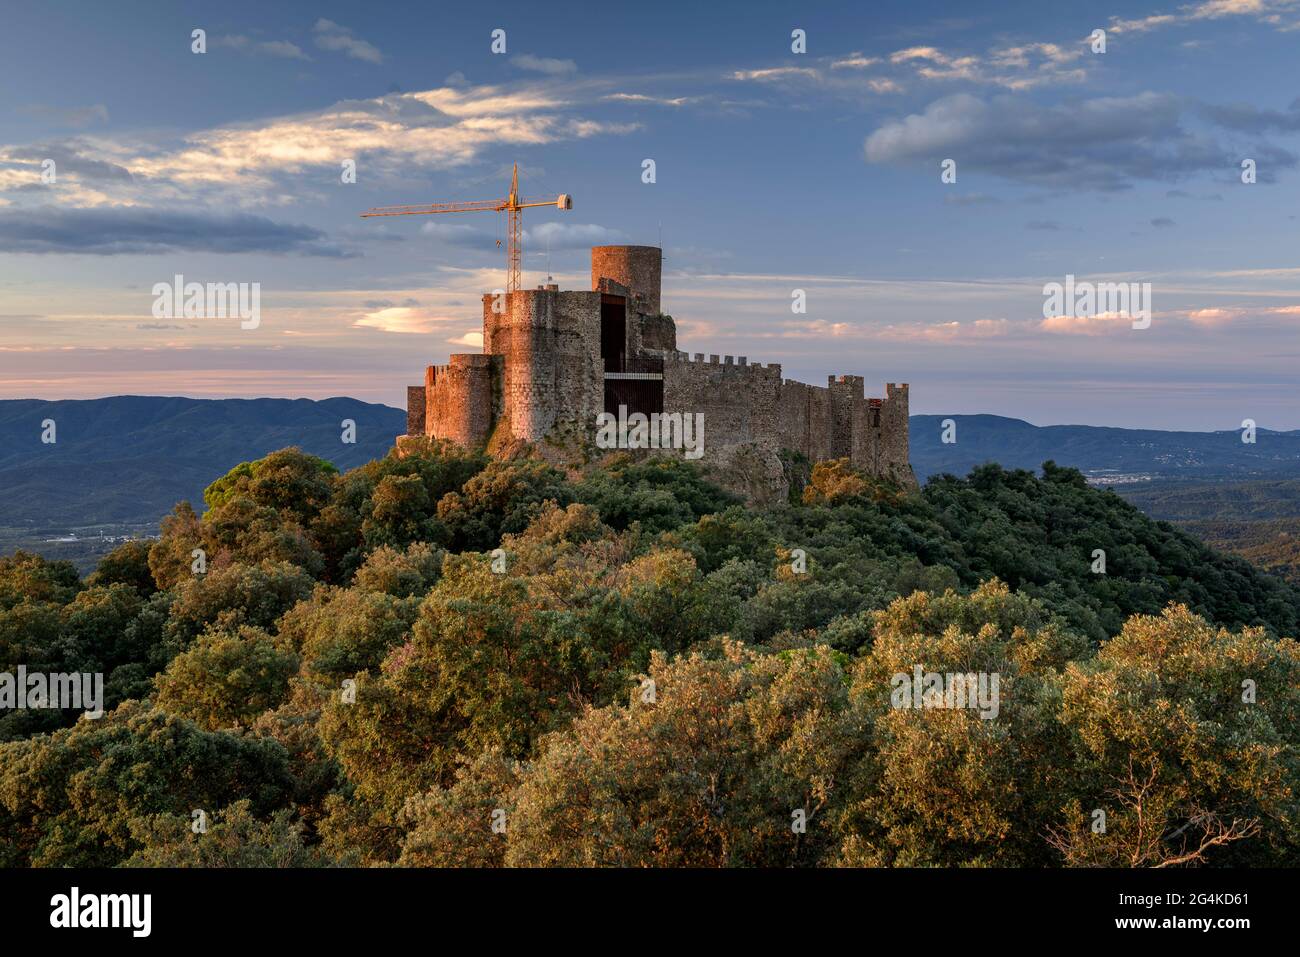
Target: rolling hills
[[119, 464], [1102, 453]]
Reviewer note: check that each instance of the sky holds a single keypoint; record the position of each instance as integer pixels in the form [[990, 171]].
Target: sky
[[776, 169]]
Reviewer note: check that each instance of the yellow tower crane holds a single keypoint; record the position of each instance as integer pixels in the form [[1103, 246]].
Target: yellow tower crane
[[512, 204]]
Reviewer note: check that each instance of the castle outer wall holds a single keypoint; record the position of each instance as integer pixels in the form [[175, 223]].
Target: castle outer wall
[[554, 360]]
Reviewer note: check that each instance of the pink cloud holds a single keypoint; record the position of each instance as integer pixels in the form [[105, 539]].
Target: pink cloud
[[947, 331], [1098, 325]]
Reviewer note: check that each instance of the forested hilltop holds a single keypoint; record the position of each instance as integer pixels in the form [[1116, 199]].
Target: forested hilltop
[[1258, 520], [444, 660]]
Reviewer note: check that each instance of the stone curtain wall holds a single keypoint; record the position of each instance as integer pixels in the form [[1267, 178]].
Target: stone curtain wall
[[542, 367], [739, 400], [804, 420], [415, 414]]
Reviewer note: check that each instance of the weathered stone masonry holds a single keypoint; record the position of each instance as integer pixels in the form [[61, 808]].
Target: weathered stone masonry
[[555, 359]]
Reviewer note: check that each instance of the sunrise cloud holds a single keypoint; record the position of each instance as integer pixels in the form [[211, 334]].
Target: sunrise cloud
[[1101, 324], [403, 320]]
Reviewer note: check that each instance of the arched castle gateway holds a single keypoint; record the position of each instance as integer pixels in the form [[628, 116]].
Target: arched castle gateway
[[554, 360]]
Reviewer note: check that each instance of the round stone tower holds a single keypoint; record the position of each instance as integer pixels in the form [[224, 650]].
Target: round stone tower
[[461, 393], [637, 267]]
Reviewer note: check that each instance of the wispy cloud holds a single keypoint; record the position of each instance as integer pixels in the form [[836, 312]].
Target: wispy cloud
[[956, 329], [387, 136], [776, 73], [329, 35], [1104, 143], [1097, 325], [1014, 67], [657, 100], [1225, 315], [111, 231], [1277, 13], [273, 48], [854, 61], [541, 64], [1017, 67]]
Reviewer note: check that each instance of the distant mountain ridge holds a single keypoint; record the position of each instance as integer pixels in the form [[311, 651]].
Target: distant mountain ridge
[[1093, 449], [129, 459]]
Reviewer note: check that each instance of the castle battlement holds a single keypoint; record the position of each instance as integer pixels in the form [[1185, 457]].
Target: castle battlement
[[556, 357], [721, 361]]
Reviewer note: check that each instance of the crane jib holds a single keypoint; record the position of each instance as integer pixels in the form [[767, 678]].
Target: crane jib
[[512, 204]]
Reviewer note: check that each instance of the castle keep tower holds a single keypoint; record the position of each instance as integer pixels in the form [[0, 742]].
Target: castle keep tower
[[636, 268], [553, 360], [546, 343]]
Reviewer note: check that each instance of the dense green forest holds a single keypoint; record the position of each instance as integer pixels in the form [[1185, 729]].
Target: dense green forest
[[444, 660], [1272, 545], [1258, 520]]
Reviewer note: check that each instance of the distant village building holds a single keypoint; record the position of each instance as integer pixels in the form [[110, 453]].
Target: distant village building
[[554, 360]]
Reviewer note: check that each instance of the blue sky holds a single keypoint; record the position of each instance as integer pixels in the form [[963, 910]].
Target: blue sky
[[775, 171]]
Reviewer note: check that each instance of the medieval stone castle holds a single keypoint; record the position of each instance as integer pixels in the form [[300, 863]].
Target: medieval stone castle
[[554, 360]]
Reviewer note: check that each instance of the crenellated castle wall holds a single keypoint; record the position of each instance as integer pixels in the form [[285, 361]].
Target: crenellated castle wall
[[739, 399], [542, 367]]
